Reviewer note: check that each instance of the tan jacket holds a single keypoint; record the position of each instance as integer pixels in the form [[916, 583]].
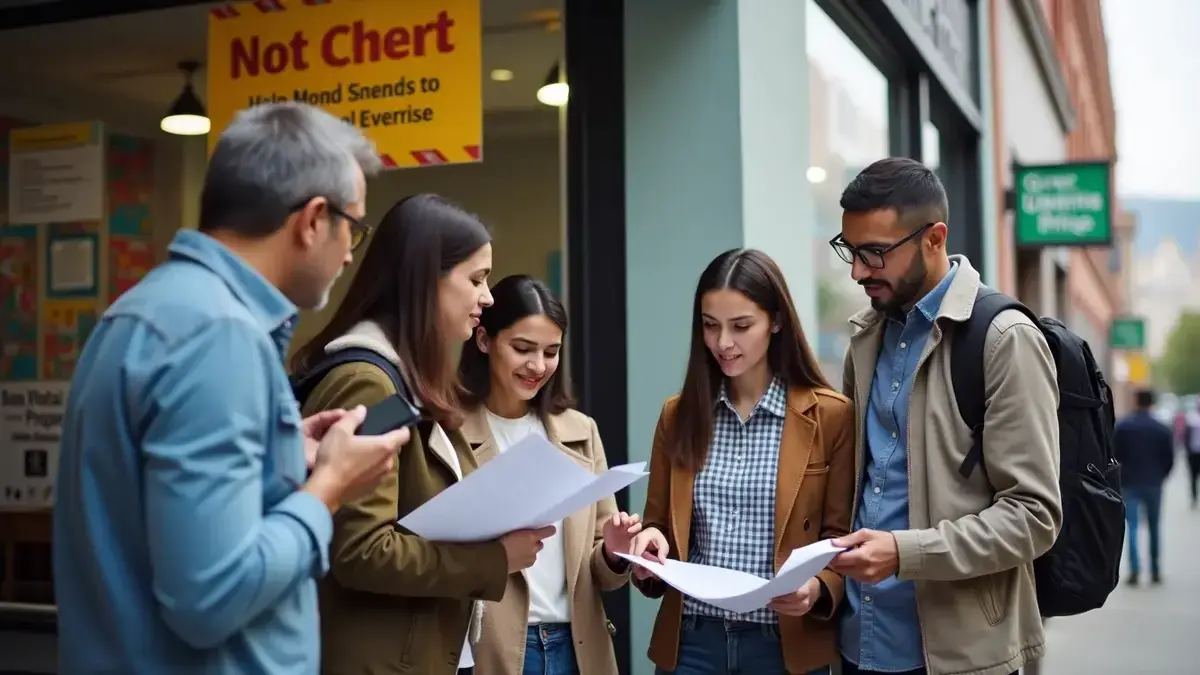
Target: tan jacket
[[812, 501], [394, 602], [972, 541], [501, 649]]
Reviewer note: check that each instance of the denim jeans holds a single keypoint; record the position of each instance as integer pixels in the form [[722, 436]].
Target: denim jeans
[[717, 647], [549, 650], [1136, 499]]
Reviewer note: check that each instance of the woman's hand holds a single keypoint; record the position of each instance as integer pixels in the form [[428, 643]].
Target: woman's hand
[[651, 545], [800, 602], [619, 532]]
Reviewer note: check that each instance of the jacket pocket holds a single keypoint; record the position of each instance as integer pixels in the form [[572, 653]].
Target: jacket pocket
[[990, 592], [816, 469]]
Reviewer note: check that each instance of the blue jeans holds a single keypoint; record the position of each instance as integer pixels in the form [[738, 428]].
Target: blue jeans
[[549, 650], [1138, 498], [717, 647]]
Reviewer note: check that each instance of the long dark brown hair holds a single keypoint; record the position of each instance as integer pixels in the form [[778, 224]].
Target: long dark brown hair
[[755, 275], [514, 298], [417, 242]]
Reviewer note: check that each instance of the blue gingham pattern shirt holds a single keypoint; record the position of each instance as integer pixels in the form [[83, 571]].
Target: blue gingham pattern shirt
[[733, 499]]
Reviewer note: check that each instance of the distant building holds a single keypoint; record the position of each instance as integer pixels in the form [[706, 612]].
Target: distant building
[[1166, 253], [1167, 282]]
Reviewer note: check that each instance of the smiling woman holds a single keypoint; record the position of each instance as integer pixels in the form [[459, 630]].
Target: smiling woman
[[514, 389]]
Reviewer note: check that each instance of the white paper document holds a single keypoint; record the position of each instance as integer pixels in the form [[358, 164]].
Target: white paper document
[[532, 484], [736, 591]]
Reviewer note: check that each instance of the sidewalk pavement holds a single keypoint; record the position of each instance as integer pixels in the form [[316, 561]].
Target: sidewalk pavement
[[1149, 630]]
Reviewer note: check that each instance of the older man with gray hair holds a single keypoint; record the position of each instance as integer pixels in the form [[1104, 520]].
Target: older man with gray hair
[[194, 504]]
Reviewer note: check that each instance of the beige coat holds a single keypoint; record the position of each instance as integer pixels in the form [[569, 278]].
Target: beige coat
[[501, 649], [972, 541]]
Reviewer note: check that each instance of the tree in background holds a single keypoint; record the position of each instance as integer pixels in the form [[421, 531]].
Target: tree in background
[[1181, 357]]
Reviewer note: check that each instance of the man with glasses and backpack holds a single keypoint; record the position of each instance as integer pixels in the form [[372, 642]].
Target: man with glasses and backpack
[[981, 425]]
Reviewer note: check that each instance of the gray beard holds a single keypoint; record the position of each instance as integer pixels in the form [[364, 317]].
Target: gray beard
[[324, 301]]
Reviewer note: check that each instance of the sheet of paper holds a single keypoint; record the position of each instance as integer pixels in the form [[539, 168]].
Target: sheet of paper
[[737, 591], [532, 484]]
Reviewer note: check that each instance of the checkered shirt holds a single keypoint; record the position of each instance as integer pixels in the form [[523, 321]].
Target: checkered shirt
[[733, 500]]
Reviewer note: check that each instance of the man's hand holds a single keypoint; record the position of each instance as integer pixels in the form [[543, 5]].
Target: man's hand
[[346, 464], [314, 430], [522, 546], [619, 532], [873, 556], [651, 545], [800, 602]]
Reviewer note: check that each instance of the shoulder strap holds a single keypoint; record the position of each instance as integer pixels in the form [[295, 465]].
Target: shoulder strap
[[966, 366], [303, 384]]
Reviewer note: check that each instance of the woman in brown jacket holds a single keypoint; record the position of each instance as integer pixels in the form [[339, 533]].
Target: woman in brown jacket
[[551, 621], [753, 458], [395, 602]]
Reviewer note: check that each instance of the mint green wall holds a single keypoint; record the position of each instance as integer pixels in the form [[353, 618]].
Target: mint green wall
[[716, 152]]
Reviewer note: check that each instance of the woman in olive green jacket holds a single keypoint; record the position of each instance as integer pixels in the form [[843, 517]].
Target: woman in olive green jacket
[[395, 602]]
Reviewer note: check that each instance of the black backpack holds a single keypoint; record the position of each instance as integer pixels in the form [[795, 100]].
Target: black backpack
[[304, 383], [1077, 574]]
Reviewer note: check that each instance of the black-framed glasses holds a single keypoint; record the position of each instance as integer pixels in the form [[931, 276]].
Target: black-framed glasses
[[358, 229], [872, 255]]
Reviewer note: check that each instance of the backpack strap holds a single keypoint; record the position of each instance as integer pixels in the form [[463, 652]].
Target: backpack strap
[[303, 384], [966, 366]]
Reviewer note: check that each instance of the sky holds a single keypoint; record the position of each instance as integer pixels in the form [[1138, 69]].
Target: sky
[[1154, 62]]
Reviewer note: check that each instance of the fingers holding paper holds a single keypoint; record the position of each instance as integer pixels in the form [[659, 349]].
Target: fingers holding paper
[[873, 556], [651, 545], [522, 547], [800, 602]]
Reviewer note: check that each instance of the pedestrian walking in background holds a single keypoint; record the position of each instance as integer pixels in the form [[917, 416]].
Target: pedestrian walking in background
[[1145, 448]]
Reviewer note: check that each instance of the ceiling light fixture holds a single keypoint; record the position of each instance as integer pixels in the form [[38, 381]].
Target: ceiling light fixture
[[816, 174], [555, 92], [187, 116], [502, 75]]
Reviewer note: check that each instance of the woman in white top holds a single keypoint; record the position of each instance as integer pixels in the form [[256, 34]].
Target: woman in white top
[[551, 620]]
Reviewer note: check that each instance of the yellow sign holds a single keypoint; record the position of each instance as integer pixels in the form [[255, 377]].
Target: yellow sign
[[408, 73], [54, 137], [1139, 367]]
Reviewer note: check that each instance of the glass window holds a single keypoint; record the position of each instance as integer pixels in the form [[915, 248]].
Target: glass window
[[931, 146], [848, 101]]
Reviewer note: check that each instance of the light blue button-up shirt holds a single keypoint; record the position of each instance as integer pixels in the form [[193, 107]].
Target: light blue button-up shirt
[[879, 626], [181, 541]]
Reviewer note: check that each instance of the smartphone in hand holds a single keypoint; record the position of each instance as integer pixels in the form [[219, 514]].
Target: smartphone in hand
[[392, 413]]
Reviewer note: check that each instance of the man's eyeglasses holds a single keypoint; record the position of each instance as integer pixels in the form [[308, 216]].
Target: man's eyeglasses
[[872, 255], [358, 229]]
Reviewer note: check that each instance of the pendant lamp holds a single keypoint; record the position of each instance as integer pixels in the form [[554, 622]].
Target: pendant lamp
[[187, 116], [556, 91]]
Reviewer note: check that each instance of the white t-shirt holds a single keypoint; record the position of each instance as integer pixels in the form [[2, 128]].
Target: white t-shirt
[[547, 578], [467, 658]]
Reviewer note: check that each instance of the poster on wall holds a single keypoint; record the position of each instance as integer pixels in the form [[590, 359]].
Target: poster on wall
[[31, 417], [67, 327], [71, 262], [18, 302], [408, 74], [56, 173], [131, 252]]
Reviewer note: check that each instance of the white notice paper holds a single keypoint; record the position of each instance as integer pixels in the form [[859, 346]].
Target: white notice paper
[[736, 591], [31, 419], [532, 484]]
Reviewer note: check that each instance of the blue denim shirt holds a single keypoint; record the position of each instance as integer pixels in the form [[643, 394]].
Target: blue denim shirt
[[879, 624], [181, 542]]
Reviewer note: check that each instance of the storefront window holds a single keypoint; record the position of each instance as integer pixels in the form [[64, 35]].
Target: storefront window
[[848, 100]]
